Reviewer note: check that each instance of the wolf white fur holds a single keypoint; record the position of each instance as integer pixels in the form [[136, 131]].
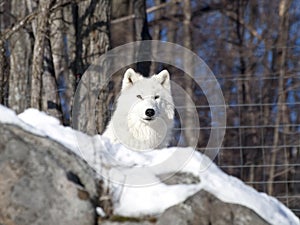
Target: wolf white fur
[[143, 118]]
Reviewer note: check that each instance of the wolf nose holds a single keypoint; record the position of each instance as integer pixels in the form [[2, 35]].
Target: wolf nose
[[150, 112]]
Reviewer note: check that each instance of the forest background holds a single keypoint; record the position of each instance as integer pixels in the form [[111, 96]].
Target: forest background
[[252, 47]]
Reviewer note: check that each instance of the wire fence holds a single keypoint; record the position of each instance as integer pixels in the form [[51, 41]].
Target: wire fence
[[251, 151], [262, 141]]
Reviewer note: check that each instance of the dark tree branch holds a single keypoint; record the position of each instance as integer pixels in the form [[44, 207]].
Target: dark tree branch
[[27, 19]]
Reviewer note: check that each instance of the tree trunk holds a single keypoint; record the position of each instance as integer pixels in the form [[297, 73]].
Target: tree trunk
[[188, 121], [142, 33], [50, 97], [156, 36], [172, 25], [90, 111], [100, 44], [3, 74], [281, 57], [61, 54], [38, 54], [20, 59], [4, 64], [119, 9], [245, 96]]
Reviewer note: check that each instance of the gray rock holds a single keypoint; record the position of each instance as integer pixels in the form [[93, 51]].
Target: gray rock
[[178, 178], [204, 208], [41, 182], [126, 223]]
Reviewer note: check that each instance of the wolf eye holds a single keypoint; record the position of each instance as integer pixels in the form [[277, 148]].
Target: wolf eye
[[156, 96], [139, 96]]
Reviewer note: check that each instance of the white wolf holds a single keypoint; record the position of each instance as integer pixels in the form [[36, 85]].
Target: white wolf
[[143, 118]]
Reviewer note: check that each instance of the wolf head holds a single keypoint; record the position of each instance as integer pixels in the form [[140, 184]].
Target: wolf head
[[149, 96], [131, 77], [143, 118]]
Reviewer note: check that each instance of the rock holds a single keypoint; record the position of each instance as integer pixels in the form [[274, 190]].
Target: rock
[[120, 220], [42, 182], [204, 208], [126, 223], [178, 178]]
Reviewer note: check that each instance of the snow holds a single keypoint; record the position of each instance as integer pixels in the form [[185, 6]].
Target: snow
[[8, 116], [133, 176], [100, 212]]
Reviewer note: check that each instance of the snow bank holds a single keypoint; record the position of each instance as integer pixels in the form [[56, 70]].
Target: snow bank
[[133, 176]]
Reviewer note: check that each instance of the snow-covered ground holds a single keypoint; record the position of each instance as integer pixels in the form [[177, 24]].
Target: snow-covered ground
[[133, 176]]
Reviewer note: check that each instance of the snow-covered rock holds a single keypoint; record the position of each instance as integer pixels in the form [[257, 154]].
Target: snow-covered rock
[[139, 181]]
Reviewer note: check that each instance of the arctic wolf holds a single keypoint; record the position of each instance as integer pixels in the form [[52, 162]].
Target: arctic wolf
[[143, 118]]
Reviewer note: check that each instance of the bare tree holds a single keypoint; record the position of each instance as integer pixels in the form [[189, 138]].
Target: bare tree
[[50, 98], [38, 53], [92, 40], [142, 33], [20, 59], [62, 56], [156, 34], [188, 120], [246, 91], [3, 73], [280, 70], [5, 8]]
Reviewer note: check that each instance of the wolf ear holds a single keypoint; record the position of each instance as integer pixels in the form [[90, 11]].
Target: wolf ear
[[130, 77], [164, 79]]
